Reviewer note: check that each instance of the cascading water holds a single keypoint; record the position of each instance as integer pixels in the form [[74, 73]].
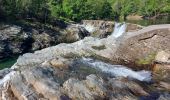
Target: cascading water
[[118, 70], [119, 29], [7, 77]]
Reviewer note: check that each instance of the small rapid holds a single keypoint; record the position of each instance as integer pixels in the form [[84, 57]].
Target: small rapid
[[119, 29], [117, 70]]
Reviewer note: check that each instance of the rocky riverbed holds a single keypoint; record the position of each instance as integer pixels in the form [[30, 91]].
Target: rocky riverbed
[[19, 39], [134, 66]]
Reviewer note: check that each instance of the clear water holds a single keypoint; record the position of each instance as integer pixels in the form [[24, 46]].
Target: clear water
[[117, 70], [119, 29]]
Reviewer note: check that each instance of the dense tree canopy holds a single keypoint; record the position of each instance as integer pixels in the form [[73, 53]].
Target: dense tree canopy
[[77, 10]]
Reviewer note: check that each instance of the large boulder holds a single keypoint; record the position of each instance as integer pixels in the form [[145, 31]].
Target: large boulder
[[141, 47], [21, 39], [13, 40]]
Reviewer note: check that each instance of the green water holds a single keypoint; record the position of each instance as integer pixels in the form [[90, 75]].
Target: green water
[[147, 22], [7, 62]]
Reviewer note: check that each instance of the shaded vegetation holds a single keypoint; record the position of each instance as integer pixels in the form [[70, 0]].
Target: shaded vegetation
[[47, 11]]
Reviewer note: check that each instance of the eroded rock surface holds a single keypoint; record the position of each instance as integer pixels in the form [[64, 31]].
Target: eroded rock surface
[[17, 39]]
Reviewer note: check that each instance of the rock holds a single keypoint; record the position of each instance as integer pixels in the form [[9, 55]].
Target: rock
[[162, 57], [21, 90], [123, 84], [11, 40], [141, 47], [98, 28], [101, 28], [75, 32], [18, 39], [92, 88], [43, 82], [59, 63], [162, 67], [38, 73], [133, 27], [4, 72], [32, 84], [165, 85], [165, 96], [161, 72]]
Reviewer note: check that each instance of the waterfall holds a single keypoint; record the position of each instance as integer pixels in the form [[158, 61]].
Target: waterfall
[[89, 28], [119, 29], [118, 70]]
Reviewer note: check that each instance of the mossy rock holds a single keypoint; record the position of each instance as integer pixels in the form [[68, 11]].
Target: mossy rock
[[101, 47], [146, 60]]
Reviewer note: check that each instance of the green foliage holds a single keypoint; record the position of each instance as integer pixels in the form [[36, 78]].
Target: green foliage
[[77, 10]]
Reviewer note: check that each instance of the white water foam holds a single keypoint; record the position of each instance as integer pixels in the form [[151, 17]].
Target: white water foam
[[118, 70], [89, 28], [7, 77], [119, 29]]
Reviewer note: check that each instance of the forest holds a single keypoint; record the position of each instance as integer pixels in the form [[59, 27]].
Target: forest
[[76, 10]]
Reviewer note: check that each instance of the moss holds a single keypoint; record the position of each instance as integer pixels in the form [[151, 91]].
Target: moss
[[95, 34], [101, 47], [72, 55], [147, 60]]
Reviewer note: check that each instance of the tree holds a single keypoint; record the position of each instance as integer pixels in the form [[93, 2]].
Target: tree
[[106, 11]]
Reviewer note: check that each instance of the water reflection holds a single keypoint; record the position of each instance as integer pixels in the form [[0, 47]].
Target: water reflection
[[146, 22]]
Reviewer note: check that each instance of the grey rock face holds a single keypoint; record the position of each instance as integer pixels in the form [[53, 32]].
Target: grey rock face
[[16, 40]]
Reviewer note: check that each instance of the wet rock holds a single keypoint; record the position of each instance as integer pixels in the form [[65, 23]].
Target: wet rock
[[165, 96], [123, 85], [4, 72]]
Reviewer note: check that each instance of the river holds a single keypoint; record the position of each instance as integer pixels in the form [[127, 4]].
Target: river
[[8, 62]]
